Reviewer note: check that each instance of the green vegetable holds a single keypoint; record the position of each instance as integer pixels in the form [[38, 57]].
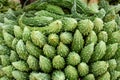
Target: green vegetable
[[85, 26], [89, 77], [32, 49], [49, 51], [20, 65], [99, 67], [37, 21], [21, 50], [33, 63], [78, 41], [13, 56], [45, 64], [114, 75], [54, 9], [5, 60], [98, 25], [38, 38], [8, 38], [83, 69], [18, 32], [71, 73], [69, 24], [73, 59], [91, 38], [26, 34], [62, 50], [58, 75], [99, 52], [87, 52], [8, 70], [58, 62], [66, 37], [39, 76], [110, 51], [18, 75], [53, 39], [102, 36], [105, 76], [112, 64]]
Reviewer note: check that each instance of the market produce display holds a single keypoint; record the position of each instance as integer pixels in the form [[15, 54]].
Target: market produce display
[[60, 40]]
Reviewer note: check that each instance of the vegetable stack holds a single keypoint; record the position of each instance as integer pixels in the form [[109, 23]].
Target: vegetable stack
[[60, 40]]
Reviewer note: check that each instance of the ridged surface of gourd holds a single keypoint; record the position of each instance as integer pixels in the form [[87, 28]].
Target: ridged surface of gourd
[[78, 41], [87, 52], [73, 59], [71, 73], [99, 67], [58, 75], [89, 77], [85, 26], [99, 51], [83, 69]]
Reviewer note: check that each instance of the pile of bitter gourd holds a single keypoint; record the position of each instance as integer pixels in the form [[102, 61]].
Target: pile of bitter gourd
[[60, 40]]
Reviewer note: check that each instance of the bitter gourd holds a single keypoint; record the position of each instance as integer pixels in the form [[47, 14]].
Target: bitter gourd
[[78, 41]]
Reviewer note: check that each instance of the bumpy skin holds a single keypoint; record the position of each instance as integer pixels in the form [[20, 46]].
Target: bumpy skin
[[18, 32], [49, 51], [54, 27], [37, 21], [111, 50], [14, 42], [99, 52], [20, 65], [32, 49], [105, 76], [33, 62], [21, 50], [38, 38], [110, 26], [98, 25], [8, 70], [8, 38], [87, 52], [48, 14], [118, 64], [18, 75], [114, 75], [53, 39], [62, 50], [103, 36], [13, 56], [45, 64], [89, 77], [5, 60], [26, 34], [99, 67], [71, 73], [58, 62], [66, 37], [3, 50], [69, 24], [58, 75], [37, 76], [114, 37], [85, 26], [91, 38], [83, 69], [54, 9], [78, 41], [73, 59], [112, 64]]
